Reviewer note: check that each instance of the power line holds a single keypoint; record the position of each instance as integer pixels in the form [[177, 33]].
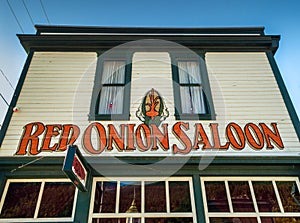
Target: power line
[[7, 79], [28, 12], [45, 11], [12, 11], [4, 100]]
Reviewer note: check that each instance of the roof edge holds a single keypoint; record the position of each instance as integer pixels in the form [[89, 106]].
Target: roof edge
[[155, 30]]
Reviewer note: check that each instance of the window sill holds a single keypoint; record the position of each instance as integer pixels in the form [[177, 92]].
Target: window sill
[[109, 117], [194, 117]]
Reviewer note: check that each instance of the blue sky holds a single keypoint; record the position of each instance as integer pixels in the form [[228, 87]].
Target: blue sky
[[278, 18]]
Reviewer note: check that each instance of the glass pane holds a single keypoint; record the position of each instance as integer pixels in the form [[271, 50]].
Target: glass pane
[[57, 200], [280, 220], [109, 220], [180, 200], [113, 72], [233, 220], [20, 200], [155, 197], [192, 100], [240, 196], [168, 220], [111, 100], [189, 72], [265, 197], [105, 197], [289, 195], [216, 197], [130, 197]]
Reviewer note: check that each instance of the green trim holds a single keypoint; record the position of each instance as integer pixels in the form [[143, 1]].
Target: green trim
[[153, 30], [7, 163], [216, 43], [285, 95], [198, 198], [15, 97]]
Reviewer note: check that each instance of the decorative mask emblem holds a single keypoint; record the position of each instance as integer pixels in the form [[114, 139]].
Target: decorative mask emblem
[[153, 109]]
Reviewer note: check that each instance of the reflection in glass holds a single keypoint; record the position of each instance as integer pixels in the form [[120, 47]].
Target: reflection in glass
[[155, 197], [168, 220], [280, 220], [216, 196], [233, 220], [289, 195], [180, 200], [265, 196], [109, 220], [240, 196], [20, 200], [105, 197], [130, 197], [57, 200]]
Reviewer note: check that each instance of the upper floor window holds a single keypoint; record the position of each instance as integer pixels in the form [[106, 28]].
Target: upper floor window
[[111, 92], [191, 88]]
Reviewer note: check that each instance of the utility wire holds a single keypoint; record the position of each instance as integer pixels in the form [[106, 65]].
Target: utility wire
[[45, 11], [4, 100], [7, 79], [26, 164], [12, 11], [28, 12]]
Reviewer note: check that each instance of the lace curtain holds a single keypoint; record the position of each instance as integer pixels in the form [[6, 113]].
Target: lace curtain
[[191, 92], [112, 91]]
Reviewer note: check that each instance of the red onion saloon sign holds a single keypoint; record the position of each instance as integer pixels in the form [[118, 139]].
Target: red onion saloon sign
[[152, 135]]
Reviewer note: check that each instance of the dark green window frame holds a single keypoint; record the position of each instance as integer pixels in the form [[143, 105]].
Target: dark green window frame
[[208, 102], [98, 86]]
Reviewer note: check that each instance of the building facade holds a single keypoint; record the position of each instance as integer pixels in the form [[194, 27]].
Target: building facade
[[150, 125]]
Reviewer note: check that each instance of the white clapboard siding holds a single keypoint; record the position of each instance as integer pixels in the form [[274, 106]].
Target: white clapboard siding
[[58, 89], [151, 70], [244, 90]]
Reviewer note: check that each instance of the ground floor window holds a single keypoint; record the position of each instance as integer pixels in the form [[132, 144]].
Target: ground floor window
[[143, 200], [38, 200], [251, 199]]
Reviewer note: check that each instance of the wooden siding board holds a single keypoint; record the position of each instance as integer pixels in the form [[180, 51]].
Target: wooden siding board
[[59, 85]]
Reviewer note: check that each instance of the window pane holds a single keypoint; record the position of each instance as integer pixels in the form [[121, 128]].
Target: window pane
[[233, 220], [280, 220], [105, 197], [192, 100], [111, 100], [109, 220], [240, 196], [265, 197], [216, 197], [289, 195], [155, 197], [180, 200], [20, 200], [113, 72], [189, 72], [168, 220], [57, 200], [130, 197]]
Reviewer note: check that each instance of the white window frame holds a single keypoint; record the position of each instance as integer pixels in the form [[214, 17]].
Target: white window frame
[[257, 214], [143, 214], [36, 218]]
